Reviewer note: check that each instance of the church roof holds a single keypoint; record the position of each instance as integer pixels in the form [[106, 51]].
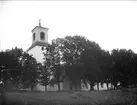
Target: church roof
[[39, 27], [43, 44]]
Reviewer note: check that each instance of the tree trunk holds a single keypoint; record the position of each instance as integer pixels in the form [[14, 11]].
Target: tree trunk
[[70, 86], [91, 86], [91, 89], [5, 86], [111, 86], [31, 88], [2, 89], [97, 86], [58, 86], [45, 88], [107, 86], [115, 87]]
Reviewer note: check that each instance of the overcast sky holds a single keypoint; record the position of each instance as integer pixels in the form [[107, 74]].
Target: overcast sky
[[111, 24]]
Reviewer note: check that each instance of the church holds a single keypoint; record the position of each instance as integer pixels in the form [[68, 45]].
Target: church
[[39, 42]]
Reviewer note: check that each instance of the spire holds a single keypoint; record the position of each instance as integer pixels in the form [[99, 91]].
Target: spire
[[40, 22]]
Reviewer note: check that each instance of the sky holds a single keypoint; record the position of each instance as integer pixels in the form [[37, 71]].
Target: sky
[[111, 24]]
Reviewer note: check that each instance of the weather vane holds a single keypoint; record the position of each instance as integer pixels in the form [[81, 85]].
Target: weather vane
[[39, 22]]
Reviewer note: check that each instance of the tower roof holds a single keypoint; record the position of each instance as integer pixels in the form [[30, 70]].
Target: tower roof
[[42, 44], [39, 26]]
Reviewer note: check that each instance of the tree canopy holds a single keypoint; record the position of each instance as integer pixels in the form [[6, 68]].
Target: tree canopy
[[74, 58]]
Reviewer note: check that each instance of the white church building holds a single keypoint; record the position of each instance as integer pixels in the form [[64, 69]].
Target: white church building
[[39, 42]]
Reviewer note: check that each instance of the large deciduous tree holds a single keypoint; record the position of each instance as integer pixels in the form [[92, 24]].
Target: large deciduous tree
[[124, 69], [44, 78], [106, 67], [71, 48], [90, 58], [30, 72], [10, 65], [52, 64]]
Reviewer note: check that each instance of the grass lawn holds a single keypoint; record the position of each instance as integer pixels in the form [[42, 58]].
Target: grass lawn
[[70, 98]]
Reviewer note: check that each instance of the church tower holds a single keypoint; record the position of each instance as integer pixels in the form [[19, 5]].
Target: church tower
[[40, 34], [39, 42]]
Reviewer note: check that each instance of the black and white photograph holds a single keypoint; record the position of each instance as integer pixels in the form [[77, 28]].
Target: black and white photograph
[[68, 52]]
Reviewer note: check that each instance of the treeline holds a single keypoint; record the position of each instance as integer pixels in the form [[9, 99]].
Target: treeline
[[74, 58]]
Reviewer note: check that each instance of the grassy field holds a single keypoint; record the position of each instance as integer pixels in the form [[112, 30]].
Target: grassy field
[[70, 98]]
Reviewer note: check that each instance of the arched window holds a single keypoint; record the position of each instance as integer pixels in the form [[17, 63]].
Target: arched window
[[34, 36], [42, 36]]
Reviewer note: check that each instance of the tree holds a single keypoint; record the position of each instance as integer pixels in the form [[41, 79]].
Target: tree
[[44, 77], [58, 71], [16, 73], [30, 72], [10, 65], [52, 63], [71, 49], [106, 67], [123, 64], [48, 66], [71, 70], [90, 58]]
